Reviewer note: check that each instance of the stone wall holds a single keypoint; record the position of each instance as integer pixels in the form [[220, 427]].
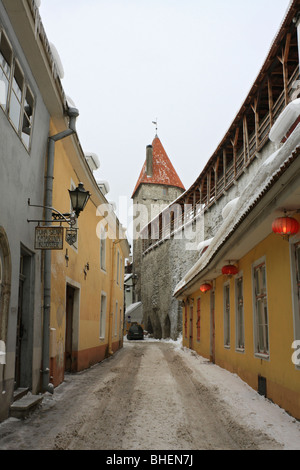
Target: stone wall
[[148, 202], [165, 264]]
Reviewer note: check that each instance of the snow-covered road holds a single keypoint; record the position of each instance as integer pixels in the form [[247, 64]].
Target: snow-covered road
[[153, 395]]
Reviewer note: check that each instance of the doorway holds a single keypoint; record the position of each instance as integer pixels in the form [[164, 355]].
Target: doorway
[[167, 327], [70, 296], [20, 330], [191, 342], [212, 327], [25, 317]]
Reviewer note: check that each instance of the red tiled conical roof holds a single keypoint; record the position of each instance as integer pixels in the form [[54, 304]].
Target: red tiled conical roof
[[163, 170]]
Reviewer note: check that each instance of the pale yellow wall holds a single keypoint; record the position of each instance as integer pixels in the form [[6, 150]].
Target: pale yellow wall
[[96, 280], [283, 379], [202, 346]]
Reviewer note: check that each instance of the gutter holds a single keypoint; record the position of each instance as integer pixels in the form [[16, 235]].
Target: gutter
[[73, 114]]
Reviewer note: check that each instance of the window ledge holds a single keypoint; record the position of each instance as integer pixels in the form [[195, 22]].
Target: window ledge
[[262, 356]]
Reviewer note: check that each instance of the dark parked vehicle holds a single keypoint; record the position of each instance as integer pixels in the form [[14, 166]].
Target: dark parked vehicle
[[135, 332]]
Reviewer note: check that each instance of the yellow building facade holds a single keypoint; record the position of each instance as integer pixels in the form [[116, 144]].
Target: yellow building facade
[[249, 322], [87, 293], [234, 343]]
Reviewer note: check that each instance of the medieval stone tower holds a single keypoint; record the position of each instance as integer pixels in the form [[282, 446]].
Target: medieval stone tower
[[158, 185]]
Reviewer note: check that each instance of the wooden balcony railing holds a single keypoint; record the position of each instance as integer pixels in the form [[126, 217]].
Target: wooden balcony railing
[[233, 170]]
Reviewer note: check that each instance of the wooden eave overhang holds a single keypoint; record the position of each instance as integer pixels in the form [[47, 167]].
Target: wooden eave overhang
[[257, 215]]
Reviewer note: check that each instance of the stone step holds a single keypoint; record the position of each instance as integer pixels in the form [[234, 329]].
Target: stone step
[[20, 392], [24, 406]]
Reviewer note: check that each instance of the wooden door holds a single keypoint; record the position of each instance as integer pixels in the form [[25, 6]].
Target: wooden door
[[212, 327], [191, 326], [69, 328], [19, 333]]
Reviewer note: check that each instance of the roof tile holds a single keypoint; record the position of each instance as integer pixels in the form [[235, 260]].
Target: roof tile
[[163, 170]]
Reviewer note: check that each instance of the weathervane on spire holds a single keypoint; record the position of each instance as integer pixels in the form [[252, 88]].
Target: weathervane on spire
[[155, 122]]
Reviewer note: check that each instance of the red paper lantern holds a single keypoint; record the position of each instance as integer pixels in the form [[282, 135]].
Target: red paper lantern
[[285, 226], [229, 270], [205, 287]]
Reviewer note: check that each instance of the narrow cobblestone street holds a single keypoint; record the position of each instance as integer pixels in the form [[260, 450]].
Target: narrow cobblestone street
[[152, 395]]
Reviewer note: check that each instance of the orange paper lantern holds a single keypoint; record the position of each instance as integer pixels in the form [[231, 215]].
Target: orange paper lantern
[[285, 226], [205, 287], [229, 270]]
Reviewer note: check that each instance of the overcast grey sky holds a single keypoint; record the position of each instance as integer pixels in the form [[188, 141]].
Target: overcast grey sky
[[189, 63]]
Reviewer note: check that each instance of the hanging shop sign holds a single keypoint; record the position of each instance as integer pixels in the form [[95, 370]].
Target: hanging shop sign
[[71, 236], [49, 238]]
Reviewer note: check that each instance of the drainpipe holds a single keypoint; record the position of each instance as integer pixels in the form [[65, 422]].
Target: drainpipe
[[73, 114]]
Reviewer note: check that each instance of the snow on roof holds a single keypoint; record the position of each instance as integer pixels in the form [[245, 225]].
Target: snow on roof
[[285, 121], [265, 175], [163, 170], [133, 307], [204, 244]]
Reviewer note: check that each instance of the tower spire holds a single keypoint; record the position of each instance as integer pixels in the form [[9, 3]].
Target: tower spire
[[162, 170]]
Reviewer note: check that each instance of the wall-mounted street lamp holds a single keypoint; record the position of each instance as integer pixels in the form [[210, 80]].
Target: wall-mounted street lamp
[[79, 198], [50, 237]]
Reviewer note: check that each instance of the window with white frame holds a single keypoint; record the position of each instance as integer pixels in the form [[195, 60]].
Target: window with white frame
[[116, 318], [102, 315], [27, 117], [185, 320], [5, 69], [261, 327], [295, 262], [239, 303], [297, 274], [227, 315], [103, 248], [121, 324], [198, 318], [118, 268], [121, 272], [16, 98]]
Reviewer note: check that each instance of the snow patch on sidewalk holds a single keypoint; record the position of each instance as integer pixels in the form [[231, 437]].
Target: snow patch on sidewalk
[[246, 405]]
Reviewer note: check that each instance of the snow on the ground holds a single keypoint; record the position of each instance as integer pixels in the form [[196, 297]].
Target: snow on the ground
[[252, 409], [245, 404]]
